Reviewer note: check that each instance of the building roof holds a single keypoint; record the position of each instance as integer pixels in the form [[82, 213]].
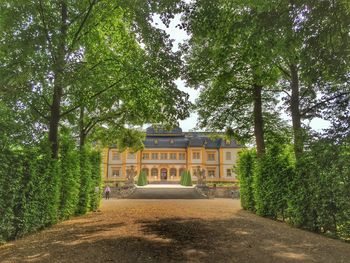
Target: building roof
[[157, 137]]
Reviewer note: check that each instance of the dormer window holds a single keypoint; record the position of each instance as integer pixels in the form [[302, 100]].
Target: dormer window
[[171, 141], [156, 141]]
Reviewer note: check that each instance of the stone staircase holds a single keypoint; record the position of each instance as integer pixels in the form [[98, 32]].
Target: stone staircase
[[166, 193]]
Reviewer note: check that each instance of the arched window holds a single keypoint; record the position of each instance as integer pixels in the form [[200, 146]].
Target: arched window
[[146, 171], [172, 172], [154, 172]]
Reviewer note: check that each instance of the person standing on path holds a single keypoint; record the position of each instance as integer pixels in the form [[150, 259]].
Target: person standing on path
[[107, 192]]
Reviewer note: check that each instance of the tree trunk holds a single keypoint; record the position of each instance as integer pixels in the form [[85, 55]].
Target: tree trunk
[[59, 65], [258, 120], [295, 110]]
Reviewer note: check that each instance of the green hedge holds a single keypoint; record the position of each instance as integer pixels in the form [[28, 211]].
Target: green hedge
[[186, 179], [71, 180], [313, 194], [272, 174], [244, 170], [142, 180], [86, 184], [37, 191], [96, 180]]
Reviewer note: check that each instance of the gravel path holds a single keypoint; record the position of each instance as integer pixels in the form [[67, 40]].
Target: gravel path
[[174, 231]]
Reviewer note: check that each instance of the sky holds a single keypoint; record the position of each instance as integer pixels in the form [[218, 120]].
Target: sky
[[188, 124]]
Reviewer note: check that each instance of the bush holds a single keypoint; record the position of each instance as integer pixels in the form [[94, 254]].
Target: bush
[[96, 180], [244, 170], [10, 178], [85, 182], [70, 171], [37, 191], [320, 199], [272, 174], [142, 180], [186, 179]]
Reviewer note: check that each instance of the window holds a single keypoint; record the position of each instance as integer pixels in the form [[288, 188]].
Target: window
[[115, 156], [211, 156], [181, 156], [228, 173], [132, 156], [172, 172], [163, 156], [196, 156], [228, 155], [116, 172], [154, 156], [211, 173], [172, 156], [145, 156], [154, 172]]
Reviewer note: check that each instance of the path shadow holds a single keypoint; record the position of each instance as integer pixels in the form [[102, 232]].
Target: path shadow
[[243, 238]]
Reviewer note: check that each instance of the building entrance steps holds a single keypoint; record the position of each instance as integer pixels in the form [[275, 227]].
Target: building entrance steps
[[166, 192], [164, 186]]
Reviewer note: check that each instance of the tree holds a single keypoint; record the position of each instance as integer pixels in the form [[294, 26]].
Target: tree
[[295, 47], [230, 59], [51, 49]]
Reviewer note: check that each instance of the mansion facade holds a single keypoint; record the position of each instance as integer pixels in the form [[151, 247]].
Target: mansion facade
[[167, 154]]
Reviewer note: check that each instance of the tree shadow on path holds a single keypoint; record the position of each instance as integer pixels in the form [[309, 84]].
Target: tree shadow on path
[[243, 238]]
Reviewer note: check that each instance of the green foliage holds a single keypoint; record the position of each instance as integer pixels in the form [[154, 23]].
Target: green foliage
[[320, 197], [86, 184], [10, 179], [37, 191], [70, 168], [186, 179], [142, 180], [272, 174], [312, 194], [96, 180], [244, 170]]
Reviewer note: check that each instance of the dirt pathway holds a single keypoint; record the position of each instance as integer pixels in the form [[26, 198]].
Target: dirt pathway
[[174, 231]]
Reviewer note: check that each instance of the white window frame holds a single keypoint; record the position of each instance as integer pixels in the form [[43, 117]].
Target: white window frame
[[196, 155], [211, 154], [182, 155], [211, 173]]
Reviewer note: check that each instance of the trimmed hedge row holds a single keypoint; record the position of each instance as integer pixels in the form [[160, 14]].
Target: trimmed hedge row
[[37, 191], [313, 194]]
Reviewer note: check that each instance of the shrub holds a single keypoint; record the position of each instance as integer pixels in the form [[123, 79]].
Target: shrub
[[244, 170], [142, 180], [85, 182], [272, 174], [36, 191], [70, 170], [96, 180], [10, 178], [320, 196], [186, 179]]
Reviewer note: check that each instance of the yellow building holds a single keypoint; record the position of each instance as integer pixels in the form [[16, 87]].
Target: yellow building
[[168, 153]]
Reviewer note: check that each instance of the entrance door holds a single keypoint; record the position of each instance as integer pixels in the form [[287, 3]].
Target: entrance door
[[163, 174]]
